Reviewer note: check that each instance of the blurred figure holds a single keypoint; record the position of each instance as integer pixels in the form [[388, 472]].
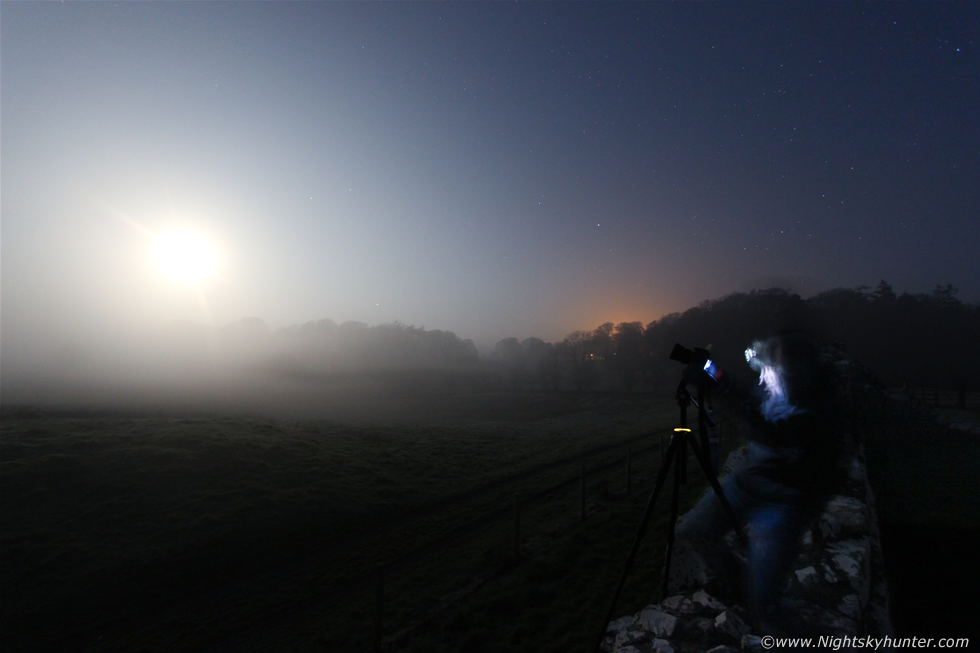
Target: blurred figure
[[791, 470]]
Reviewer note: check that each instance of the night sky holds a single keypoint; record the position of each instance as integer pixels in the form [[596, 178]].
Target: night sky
[[486, 168]]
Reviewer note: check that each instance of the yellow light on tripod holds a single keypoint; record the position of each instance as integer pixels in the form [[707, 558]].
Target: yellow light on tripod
[[681, 429]]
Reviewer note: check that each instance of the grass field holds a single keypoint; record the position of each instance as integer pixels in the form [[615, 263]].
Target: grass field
[[158, 532]]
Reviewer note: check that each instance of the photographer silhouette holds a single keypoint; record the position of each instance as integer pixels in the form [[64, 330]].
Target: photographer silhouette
[[789, 474]]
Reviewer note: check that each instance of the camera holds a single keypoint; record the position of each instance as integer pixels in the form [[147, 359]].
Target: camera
[[682, 354], [697, 360]]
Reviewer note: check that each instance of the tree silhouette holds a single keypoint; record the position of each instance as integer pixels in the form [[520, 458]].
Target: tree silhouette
[[883, 293], [630, 355], [577, 360], [920, 340], [508, 358], [541, 363]]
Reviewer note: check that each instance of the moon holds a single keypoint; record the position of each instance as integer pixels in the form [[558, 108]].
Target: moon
[[185, 257]]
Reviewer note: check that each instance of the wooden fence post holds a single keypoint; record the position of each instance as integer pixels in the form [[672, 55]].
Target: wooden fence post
[[517, 525], [628, 470], [379, 604]]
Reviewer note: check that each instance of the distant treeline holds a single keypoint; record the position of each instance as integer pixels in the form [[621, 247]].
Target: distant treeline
[[324, 346], [920, 340]]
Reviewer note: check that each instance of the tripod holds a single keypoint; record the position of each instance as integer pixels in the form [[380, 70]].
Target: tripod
[[676, 453]]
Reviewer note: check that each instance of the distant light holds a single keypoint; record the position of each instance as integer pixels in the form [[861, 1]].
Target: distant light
[[680, 429], [185, 257], [749, 354]]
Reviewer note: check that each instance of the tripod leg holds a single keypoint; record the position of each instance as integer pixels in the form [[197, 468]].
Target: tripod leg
[[640, 532], [674, 509], [713, 480]]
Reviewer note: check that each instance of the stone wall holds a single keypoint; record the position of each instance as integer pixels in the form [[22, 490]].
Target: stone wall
[[837, 587]]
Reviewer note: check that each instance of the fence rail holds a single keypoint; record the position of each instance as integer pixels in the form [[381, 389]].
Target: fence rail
[[508, 514], [727, 430], [378, 587], [372, 599], [943, 397]]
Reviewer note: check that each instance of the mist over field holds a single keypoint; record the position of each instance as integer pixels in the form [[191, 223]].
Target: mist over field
[[308, 370], [391, 372]]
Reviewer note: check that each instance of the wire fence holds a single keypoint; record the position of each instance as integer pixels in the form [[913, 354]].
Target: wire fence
[[380, 608], [511, 528], [943, 397]]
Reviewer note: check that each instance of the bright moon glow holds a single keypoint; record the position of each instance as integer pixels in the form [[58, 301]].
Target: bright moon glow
[[185, 257]]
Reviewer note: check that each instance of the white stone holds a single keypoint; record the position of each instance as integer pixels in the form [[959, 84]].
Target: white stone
[[629, 648], [735, 460], [704, 625], [626, 638], [657, 622], [843, 517], [853, 559], [850, 606], [662, 646], [808, 538], [628, 641], [847, 564], [732, 625], [807, 576], [857, 471], [703, 598], [620, 624], [828, 574], [679, 603]]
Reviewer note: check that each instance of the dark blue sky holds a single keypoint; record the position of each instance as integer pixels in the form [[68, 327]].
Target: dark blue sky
[[487, 168]]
